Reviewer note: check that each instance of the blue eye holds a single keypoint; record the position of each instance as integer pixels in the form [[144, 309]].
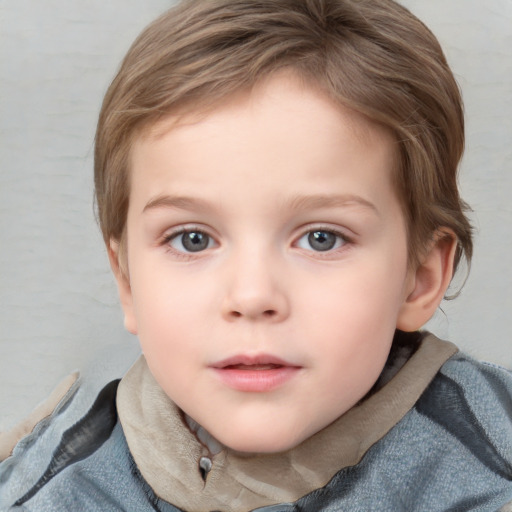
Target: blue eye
[[190, 241], [321, 240]]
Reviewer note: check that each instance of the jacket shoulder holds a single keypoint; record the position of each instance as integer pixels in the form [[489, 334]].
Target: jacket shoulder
[[472, 402], [58, 440]]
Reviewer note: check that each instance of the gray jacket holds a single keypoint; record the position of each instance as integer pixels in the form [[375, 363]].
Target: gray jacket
[[452, 451]]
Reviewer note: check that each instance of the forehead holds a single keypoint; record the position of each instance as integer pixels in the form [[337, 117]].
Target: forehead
[[281, 128], [273, 93]]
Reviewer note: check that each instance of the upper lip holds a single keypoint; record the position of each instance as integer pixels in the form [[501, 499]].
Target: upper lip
[[252, 360]]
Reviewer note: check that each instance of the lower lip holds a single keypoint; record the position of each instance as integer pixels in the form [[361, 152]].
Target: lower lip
[[256, 381]]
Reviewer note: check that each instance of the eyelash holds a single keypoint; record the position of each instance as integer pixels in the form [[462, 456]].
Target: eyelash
[[185, 255], [342, 239]]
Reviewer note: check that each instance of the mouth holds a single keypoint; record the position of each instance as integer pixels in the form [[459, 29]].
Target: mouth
[[255, 374], [253, 367], [257, 362]]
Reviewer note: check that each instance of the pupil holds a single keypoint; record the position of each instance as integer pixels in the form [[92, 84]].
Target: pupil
[[194, 241], [321, 240]]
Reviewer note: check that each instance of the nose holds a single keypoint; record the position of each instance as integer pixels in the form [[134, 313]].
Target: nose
[[255, 290]]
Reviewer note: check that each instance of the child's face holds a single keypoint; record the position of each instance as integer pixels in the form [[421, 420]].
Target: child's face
[[267, 259]]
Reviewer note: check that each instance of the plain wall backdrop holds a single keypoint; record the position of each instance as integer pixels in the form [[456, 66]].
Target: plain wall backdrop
[[58, 305]]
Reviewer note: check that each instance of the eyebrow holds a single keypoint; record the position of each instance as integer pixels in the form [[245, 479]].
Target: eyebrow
[[176, 202], [302, 202], [311, 202]]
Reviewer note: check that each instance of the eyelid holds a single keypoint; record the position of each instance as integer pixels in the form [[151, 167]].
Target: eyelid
[[347, 240], [345, 234], [185, 228], [172, 233]]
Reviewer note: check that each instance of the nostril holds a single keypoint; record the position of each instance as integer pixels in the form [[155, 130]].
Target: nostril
[[268, 313]]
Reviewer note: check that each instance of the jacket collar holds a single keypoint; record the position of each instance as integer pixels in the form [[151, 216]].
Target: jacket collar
[[174, 462]]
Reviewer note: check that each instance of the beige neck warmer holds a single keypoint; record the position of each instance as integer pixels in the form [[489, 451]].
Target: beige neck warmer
[[173, 461]]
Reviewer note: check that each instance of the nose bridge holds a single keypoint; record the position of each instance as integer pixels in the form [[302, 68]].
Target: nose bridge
[[255, 287]]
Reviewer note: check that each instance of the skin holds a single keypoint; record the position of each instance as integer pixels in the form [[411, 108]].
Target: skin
[[255, 178]]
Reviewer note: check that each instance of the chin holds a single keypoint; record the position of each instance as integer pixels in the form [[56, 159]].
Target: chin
[[260, 444]]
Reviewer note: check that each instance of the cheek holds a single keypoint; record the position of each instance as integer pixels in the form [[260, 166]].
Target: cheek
[[362, 295], [171, 346], [173, 310], [354, 343], [157, 311], [161, 293], [353, 318]]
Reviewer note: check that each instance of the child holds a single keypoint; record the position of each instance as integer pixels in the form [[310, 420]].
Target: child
[[276, 186]]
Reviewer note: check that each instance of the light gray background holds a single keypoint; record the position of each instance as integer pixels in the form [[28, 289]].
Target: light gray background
[[58, 304]]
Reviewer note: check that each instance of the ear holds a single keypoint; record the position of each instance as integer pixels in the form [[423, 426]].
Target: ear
[[428, 282], [123, 285]]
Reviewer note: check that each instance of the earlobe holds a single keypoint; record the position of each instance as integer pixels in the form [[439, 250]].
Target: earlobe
[[123, 285], [429, 282]]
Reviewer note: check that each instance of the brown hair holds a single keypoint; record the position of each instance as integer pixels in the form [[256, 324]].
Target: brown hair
[[373, 56]]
